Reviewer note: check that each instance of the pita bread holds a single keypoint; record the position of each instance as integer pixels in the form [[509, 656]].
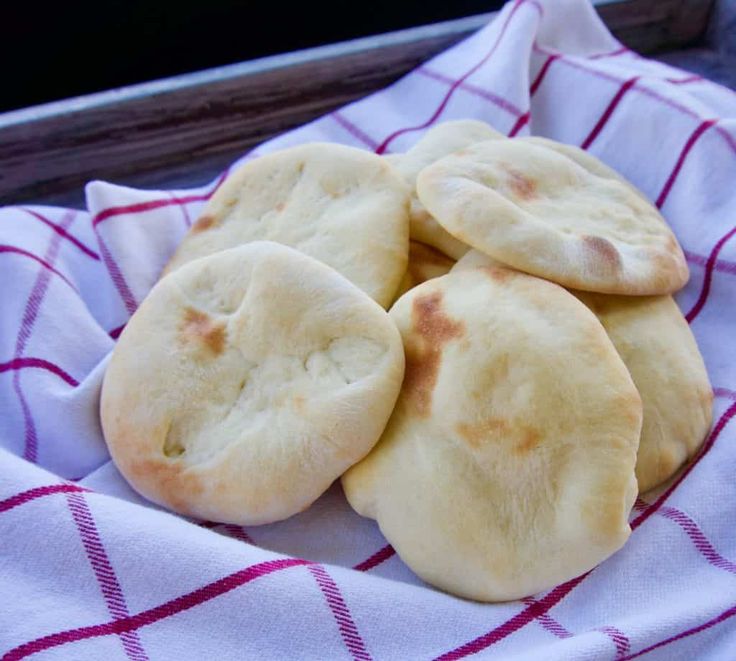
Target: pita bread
[[344, 206], [659, 350], [541, 212], [502, 471], [247, 382], [425, 263], [439, 141]]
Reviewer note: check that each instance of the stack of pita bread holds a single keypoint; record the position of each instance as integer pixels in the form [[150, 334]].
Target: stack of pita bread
[[532, 374]]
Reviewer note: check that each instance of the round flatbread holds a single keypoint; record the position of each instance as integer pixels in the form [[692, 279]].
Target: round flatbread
[[541, 212], [508, 464], [344, 206], [425, 263], [247, 382], [439, 141], [659, 350], [658, 347]]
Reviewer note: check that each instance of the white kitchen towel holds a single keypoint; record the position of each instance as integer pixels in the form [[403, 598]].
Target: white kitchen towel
[[89, 570]]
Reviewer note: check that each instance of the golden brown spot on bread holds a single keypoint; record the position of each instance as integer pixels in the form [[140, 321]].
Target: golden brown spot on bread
[[170, 480], [529, 440], [431, 330], [201, 328], [203, 223], [497, 273], [603, 252], [431, 322], [420, 377], [520, 185], [475, 434], [523, 437]]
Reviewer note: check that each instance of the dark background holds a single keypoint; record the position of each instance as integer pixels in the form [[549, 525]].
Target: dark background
[[56, 50]]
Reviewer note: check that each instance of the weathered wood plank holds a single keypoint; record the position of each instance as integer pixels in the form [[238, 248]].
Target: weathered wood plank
[[162, 132]]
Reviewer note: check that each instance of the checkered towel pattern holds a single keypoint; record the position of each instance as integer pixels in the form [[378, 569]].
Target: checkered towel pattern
[[88, 570]]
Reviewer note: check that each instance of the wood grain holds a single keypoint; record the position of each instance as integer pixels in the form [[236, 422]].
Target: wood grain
[[181, 131]]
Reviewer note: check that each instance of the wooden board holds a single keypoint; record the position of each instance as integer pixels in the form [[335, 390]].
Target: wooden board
[[181, 131]]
